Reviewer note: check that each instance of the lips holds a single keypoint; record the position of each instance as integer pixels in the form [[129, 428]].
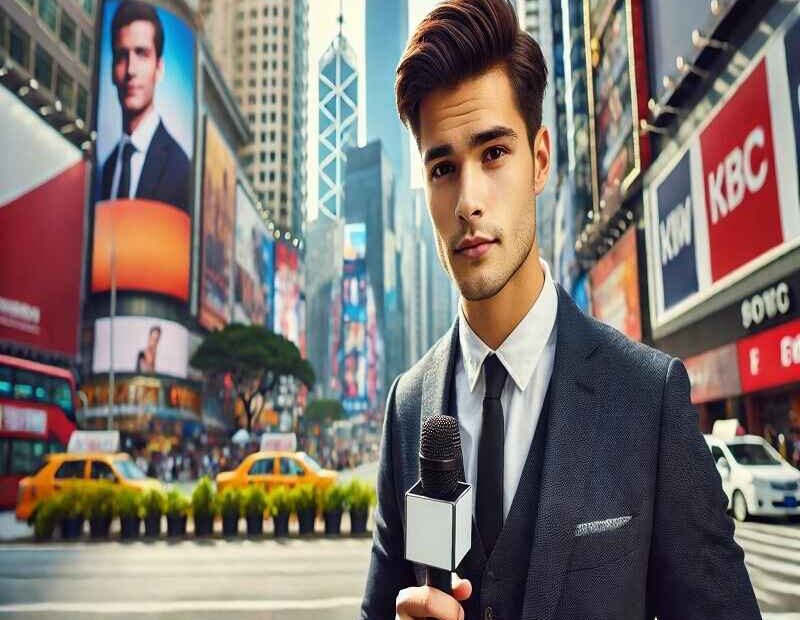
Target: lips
[[472, 242], [474, 247]]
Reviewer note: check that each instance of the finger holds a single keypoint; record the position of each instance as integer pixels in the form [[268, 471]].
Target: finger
[[427, 602], [462, 588]]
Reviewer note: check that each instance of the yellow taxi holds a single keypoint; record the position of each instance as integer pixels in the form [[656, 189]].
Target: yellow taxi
[[273, 468], [62, 470]]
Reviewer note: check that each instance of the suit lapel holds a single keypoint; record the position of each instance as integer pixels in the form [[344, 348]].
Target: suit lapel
[[154, 164], [571, 430]]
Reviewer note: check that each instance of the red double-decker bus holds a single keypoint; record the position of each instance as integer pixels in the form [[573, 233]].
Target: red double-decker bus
[[37, 416]]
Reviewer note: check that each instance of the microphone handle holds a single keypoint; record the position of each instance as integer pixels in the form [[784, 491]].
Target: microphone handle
[[439, 578]]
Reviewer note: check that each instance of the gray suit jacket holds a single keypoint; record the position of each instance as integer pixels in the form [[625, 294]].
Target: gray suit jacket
[[622, 441]]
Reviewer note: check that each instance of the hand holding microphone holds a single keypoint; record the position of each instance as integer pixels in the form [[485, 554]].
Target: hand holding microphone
[[438, 525]]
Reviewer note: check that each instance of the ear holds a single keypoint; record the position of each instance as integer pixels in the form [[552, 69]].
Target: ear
[[541, 159]]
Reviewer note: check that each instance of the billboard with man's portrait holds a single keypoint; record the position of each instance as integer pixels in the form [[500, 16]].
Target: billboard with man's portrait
[[145, 143]]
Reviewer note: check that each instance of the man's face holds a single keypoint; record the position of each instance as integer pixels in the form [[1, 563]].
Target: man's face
[[137, 69], [481, 181]]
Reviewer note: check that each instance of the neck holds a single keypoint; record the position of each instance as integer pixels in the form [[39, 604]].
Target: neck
[[131, 121], [494, 318]]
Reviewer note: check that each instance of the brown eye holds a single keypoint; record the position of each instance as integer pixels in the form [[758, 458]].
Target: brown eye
[[439, 170], [497, 151]]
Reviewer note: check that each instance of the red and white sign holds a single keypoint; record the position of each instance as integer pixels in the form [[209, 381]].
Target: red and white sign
[[714, 374], [741, 190], [771, 358]]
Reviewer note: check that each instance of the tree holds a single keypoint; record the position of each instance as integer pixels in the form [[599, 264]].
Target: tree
[[255, 358], [323, 411]]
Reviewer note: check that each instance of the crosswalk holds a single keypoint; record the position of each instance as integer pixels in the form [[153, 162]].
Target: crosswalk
[[772, 556]]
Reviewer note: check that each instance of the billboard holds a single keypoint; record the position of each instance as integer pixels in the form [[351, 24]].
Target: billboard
[[287, 292], [42, 194], [615, 287], [771, 358], [216, 263], [355, 294], [728, 202], [142, 345], [248, 280], [145, 143], [268, 278], [618, 87]]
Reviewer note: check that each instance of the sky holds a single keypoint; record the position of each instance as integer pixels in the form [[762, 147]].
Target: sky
[[323, 27]]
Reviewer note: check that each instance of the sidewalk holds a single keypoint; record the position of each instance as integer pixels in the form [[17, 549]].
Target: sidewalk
[[11, 529]]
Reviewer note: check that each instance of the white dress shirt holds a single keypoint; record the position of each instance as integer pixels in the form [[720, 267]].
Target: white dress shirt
[[527, 354], [140, 138]]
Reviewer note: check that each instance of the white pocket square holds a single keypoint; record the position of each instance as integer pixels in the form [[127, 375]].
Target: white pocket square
[[595, 527]]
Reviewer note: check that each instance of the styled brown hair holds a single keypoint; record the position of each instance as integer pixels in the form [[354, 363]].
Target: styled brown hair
[[460, 39]]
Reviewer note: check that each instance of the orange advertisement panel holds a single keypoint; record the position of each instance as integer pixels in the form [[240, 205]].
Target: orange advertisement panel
[[219, 201], [151, 247], [615, 288]]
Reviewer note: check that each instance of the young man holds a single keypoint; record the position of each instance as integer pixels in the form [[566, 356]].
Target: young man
[[595, 495], [147, 162]]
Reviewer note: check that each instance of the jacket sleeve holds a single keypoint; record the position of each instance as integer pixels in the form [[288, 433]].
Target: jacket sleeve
[[389, 571], [697, 570]]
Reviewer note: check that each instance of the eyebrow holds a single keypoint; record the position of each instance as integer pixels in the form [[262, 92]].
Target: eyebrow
[[475, 139]]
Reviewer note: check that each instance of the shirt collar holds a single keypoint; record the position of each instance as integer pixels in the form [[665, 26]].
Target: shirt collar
[[521, 350], [143, 134]]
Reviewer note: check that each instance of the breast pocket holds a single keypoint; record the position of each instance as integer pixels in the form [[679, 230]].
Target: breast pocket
[[596, 546]]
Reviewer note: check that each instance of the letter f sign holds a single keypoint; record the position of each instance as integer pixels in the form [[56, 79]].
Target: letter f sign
[[754, 361]]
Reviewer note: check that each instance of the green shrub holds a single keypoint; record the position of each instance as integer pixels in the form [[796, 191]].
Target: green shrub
[[203, 497], [279, 501], [46, 517], [304, 497], [153, 502], [71, 501], [127, 503], [98, 501], [254, 500], [229, 502], [333, 498], [360, 495], [176, 504]]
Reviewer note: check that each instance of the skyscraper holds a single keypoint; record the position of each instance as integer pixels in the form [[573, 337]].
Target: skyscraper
[[386, 37], [261, 51], [338, 120]]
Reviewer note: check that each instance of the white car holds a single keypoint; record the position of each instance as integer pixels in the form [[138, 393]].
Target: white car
[[755, 478]]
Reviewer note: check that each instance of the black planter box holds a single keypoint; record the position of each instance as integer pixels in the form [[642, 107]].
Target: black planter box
[[71, 528], [333, 522], [203, 525], [306, 519], [230, 525], [255, 525], [152, 526], [129, 527], [99, 527], [281, 524], [358, 521], [176, 525]]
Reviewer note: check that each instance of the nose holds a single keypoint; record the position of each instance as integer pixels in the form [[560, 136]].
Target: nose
[[470, 195]]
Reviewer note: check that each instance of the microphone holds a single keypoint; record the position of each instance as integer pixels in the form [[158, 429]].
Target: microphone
[[439, 506]]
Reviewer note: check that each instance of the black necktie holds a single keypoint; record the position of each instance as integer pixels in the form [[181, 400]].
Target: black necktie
[[125, 178], [490, 456]]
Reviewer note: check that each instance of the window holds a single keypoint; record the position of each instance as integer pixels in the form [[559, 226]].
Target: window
[[129, 470], [26, 456], [26, 3], [289, 467], [81, 103], [70, 469], [19, 45], [716, 452], [64, 88], [752, 454], [85, 52], [67, 31], [101, 471], [88, 6], [48, 11], [262, 467], [24, 385], [6, 380]]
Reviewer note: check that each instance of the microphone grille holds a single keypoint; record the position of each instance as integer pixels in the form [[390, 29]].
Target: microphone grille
[[440, 440]]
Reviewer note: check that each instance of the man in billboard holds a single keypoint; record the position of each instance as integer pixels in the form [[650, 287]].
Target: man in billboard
[[147, 161], [146, 359]]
